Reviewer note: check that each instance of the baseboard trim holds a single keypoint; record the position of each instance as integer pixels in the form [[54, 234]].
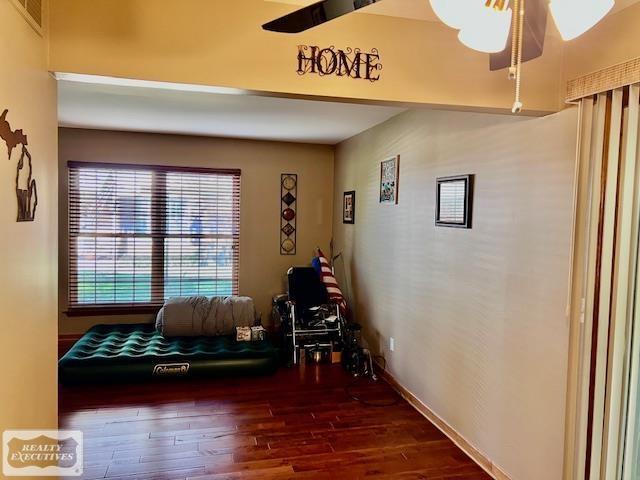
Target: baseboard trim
[[476, 455]]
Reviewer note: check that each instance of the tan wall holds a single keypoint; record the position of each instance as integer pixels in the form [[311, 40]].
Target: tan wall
[[262, 268], [28, 276], [478, 315], [614, 40], [221, 43]]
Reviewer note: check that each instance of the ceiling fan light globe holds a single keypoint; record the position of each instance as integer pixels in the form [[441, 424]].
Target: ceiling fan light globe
[[575, 17], [455, 13], [488, 32]]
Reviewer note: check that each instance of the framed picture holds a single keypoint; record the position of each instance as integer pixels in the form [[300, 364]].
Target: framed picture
[[454, 199], [349, 207], [389, 170]]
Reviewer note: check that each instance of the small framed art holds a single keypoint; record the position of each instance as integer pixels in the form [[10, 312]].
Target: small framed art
[[349, 207], [389, 172], [454, 198]]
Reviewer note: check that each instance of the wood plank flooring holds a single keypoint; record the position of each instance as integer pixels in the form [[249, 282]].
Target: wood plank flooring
[[297, 424]]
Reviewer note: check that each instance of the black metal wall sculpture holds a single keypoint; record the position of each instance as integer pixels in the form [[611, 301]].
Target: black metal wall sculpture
[[288, 212], [26, 189], [348, 62], [27, 197]]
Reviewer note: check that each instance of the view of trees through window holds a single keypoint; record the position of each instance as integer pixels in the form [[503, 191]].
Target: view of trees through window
[[140, 236]]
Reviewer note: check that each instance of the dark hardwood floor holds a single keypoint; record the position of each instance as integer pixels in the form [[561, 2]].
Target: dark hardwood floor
[[298, 424]]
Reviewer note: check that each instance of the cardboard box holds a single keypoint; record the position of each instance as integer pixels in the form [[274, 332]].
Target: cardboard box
[[336, 357]]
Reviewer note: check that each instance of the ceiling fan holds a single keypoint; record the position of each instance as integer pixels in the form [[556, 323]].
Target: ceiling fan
[[511, 32]]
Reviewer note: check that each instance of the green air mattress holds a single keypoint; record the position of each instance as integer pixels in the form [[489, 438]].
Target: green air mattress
[[134, 352]]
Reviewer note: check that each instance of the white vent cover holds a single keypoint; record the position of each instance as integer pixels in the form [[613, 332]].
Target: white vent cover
[[31, 10]]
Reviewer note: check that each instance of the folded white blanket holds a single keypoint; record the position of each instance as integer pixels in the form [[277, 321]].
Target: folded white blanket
[[210, 316]]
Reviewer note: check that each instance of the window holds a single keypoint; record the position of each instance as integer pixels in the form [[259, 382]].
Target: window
[[453, 201], [141, 234]]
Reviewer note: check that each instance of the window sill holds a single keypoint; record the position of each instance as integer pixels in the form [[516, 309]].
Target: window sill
[[112, 310]]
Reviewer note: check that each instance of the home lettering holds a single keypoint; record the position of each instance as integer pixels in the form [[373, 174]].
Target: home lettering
[[352, 63]]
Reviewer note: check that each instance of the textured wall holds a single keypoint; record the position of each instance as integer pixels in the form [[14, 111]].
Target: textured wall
[[262, 268], [28, 251], [614, 40], [478, 315]]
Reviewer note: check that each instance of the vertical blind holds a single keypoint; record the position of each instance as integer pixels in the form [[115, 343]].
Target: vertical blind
[[604, 373], [141, 234]]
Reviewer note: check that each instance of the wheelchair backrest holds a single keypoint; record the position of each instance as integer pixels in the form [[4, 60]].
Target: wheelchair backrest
[[305, 287]]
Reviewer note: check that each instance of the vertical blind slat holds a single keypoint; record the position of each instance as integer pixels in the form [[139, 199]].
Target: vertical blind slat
[[608, 218]]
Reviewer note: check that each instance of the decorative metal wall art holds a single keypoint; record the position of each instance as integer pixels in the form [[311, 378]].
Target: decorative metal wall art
[[288, 213], [26, 189], [352, 63], [389, 172]]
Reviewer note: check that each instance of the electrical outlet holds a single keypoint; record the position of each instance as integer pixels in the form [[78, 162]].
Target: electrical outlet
[[392, 344]]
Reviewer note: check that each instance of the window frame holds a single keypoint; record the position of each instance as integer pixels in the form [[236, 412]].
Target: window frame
[[158, 236]]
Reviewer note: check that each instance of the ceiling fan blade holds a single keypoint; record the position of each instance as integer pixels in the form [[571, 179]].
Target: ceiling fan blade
[[535, 25], [314, 15]]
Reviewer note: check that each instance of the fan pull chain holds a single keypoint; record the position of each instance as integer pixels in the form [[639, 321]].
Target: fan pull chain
[[514, 40], [515, 71]]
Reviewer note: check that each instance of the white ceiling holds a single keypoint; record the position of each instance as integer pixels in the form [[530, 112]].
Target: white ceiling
[[120, 104], [117, 104]]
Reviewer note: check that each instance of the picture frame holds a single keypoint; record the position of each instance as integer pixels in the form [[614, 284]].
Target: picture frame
[[454, 201], [349, 207], [389, 180]]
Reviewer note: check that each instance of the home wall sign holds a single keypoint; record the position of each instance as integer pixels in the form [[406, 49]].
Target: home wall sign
[[288, 213], [26, 189], [350, 62]]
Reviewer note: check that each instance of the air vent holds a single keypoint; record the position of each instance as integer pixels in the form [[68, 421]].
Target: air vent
[[31, 10]]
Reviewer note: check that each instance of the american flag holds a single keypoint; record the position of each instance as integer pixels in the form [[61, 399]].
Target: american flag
[[329, 280]]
